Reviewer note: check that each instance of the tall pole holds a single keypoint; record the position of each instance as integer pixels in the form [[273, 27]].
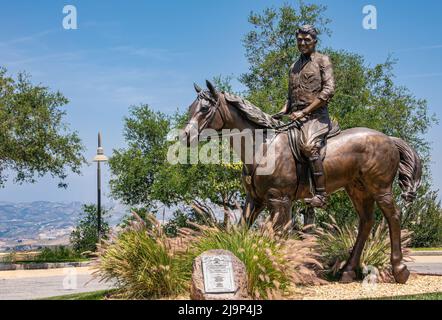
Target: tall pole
[[99, 192], [100, 157]]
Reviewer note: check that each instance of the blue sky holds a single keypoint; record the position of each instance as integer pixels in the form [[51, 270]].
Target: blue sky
[[131, 52]]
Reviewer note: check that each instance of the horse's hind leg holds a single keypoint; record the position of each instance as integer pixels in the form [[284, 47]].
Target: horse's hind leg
[[364, 205], [280, 211], [251, 210], [392, 213]]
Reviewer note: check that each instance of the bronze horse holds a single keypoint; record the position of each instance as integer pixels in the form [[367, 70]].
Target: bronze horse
[[362, 161]]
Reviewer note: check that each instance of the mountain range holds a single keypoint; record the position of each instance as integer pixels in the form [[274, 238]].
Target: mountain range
[[43, 222]]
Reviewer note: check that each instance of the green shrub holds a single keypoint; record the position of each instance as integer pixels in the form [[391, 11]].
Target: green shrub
[[47, 254], [142, 213], [424, 218], [11, 257], [144, 262], [336, 242], [187, 219], [85, 236], [58, 254]]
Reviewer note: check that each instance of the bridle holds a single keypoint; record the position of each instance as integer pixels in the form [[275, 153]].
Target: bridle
[[213, 110], [216, 109]]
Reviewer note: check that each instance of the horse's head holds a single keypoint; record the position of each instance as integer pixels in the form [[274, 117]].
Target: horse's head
[[204, 112]]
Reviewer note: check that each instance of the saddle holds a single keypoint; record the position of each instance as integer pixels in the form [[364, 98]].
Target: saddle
[[302, 163], [295, 142]]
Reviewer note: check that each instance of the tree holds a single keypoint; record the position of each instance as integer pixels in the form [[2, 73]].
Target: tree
[[85, 235], [141, 175], [134, 168], [34, 140]]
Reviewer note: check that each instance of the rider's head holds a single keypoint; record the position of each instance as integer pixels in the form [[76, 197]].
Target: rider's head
[[306, 37]]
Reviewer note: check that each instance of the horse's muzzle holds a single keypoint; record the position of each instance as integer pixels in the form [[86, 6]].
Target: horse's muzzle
[[189, 135]]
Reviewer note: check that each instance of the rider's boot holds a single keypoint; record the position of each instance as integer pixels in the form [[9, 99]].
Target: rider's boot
[[319, 200]]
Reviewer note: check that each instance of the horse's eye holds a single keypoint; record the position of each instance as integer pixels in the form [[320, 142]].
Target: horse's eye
[[204, 108]]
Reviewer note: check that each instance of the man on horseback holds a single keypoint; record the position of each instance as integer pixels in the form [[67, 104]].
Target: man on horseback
[[311, 86]]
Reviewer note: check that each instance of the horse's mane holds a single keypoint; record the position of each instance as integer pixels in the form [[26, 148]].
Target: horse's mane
[[252, 112]]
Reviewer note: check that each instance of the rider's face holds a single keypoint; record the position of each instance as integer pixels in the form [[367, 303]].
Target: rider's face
[[306, 43]]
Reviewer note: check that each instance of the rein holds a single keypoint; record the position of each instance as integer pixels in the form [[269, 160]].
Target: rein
[[279, 129]]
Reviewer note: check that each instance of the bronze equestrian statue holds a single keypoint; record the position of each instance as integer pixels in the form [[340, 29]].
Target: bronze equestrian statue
[[311, 87], [362, 161]]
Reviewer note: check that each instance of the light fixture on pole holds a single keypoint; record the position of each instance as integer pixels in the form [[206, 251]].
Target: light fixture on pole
[[100, 157]]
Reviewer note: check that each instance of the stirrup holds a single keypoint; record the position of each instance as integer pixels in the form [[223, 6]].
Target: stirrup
[[318, 201]]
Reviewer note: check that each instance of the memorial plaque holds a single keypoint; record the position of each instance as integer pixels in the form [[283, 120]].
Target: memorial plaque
[[218, 274]]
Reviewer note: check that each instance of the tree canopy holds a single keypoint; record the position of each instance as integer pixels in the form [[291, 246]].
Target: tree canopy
[[34, 140]]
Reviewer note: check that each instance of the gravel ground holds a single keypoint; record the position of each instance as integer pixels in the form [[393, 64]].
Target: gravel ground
[[336, 291]]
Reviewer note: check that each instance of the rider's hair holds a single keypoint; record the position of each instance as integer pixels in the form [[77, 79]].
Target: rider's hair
[[308, 29]]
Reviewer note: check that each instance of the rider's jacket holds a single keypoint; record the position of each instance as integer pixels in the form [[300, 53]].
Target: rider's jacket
[[310, 77]]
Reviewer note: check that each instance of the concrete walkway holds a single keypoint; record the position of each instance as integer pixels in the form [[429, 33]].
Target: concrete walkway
[[431, 265], [36, 284]]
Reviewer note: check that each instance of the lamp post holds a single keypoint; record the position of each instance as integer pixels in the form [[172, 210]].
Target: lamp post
[[100, 157]]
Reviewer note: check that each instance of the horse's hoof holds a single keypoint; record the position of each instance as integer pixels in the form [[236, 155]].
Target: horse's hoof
[[401, 273], [348, 277]]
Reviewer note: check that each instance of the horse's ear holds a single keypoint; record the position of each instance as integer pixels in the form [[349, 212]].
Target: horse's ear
[[212, 89], [197, 88]]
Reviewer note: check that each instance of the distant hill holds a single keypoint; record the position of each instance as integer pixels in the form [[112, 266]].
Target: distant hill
[[27, 225], [40, 222]]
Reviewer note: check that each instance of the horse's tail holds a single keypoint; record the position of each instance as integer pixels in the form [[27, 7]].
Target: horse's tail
[[410, 170]]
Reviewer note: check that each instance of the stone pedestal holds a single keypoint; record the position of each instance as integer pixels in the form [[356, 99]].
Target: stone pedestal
[[198, 288]]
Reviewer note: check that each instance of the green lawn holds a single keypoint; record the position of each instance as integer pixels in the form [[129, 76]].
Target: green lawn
[[426, 249], [96, 295]]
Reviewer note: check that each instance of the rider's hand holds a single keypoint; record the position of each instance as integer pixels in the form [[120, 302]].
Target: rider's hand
[[297, 115], [278, 116], [281, 113]]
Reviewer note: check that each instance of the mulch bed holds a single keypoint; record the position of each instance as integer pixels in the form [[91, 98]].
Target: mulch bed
[[417, 284]]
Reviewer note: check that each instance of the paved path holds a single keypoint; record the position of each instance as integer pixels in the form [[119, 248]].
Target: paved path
[[426, 264], [35, 284]]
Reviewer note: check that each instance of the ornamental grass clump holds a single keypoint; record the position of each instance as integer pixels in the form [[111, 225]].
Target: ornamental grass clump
[[274, 260], [146, 264], [143, 262], [336, 242]]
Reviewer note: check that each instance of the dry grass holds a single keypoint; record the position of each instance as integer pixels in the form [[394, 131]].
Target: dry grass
[[147, 264], [144, 262]]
